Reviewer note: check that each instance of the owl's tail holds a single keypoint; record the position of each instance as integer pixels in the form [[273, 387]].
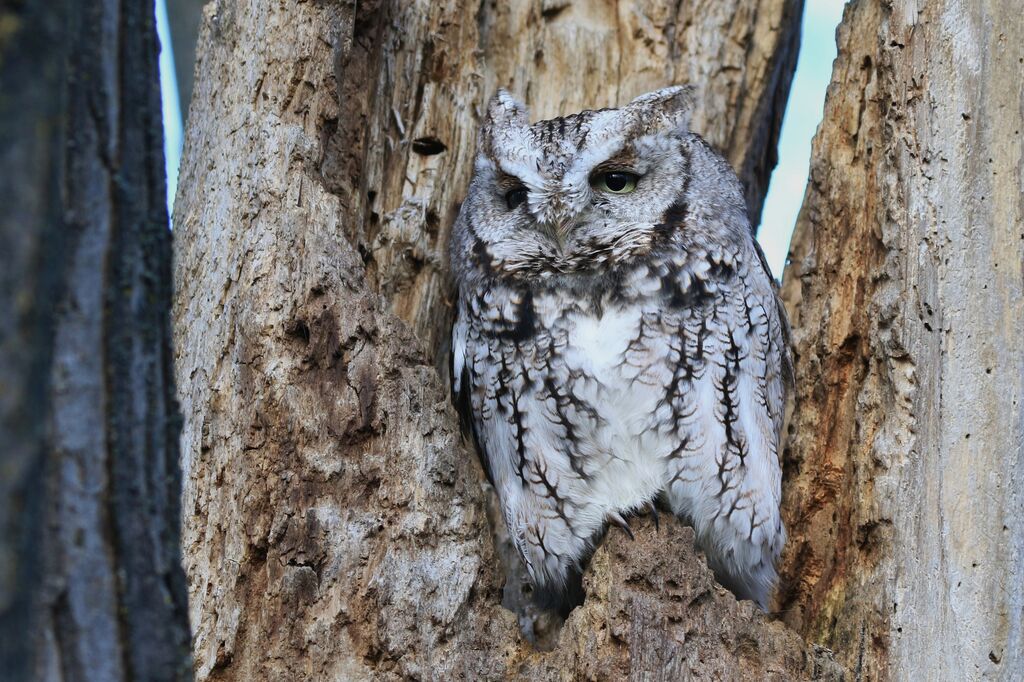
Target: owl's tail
[[561, 598]]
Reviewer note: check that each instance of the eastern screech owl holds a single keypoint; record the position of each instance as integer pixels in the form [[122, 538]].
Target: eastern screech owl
[[618, 338]]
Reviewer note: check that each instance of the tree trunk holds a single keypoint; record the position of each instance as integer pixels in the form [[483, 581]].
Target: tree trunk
[[91, 585], [905, 463], [335, 523]]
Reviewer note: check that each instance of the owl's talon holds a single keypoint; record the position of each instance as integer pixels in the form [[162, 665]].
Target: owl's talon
[[616, 518], [653, 511]]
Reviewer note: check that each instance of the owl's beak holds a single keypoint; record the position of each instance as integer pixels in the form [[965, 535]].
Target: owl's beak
[[563, 229], [559, 230]]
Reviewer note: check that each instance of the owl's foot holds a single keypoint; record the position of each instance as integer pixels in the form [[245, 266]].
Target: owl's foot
[[616, 518], [653, 511]]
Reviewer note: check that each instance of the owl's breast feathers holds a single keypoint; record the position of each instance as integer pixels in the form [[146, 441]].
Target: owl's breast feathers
[[587, 396]]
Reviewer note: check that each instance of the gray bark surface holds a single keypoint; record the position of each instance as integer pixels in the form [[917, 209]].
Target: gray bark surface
[[91, 584], [905, 460], [335, 522]]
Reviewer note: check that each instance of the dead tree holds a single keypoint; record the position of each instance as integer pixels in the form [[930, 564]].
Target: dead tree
[[335, 523], [904, 490]]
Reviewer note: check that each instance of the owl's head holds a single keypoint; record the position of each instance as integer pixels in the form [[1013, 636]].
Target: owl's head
[[580, 192]]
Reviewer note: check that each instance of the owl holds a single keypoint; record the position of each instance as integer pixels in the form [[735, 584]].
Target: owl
[[618, 340]]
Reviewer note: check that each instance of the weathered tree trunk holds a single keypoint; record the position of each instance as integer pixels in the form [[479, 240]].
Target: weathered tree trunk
[[91, 584], [335, 524], [905, 465]]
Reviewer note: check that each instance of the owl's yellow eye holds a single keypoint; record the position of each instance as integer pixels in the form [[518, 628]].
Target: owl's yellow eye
[[616, 182]]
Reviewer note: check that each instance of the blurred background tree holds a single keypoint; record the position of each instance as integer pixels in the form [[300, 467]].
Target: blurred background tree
[[91, 583]]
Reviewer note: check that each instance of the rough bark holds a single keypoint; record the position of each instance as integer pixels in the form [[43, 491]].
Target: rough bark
[[91, 584], [335, 522], [905, 461]]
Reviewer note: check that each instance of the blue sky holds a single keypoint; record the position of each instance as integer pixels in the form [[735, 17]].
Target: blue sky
[[786, 190], [803, 114], [173, 136]]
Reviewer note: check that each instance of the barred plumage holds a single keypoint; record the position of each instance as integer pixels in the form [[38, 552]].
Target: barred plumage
[[612, 348]]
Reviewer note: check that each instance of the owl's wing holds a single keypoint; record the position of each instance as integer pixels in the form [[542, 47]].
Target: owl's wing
[[462, 388], [780, 319], [728, 398]]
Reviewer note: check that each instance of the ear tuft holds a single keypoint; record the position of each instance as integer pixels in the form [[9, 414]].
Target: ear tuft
[[670, 107], [503, 112], [504, 109]]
